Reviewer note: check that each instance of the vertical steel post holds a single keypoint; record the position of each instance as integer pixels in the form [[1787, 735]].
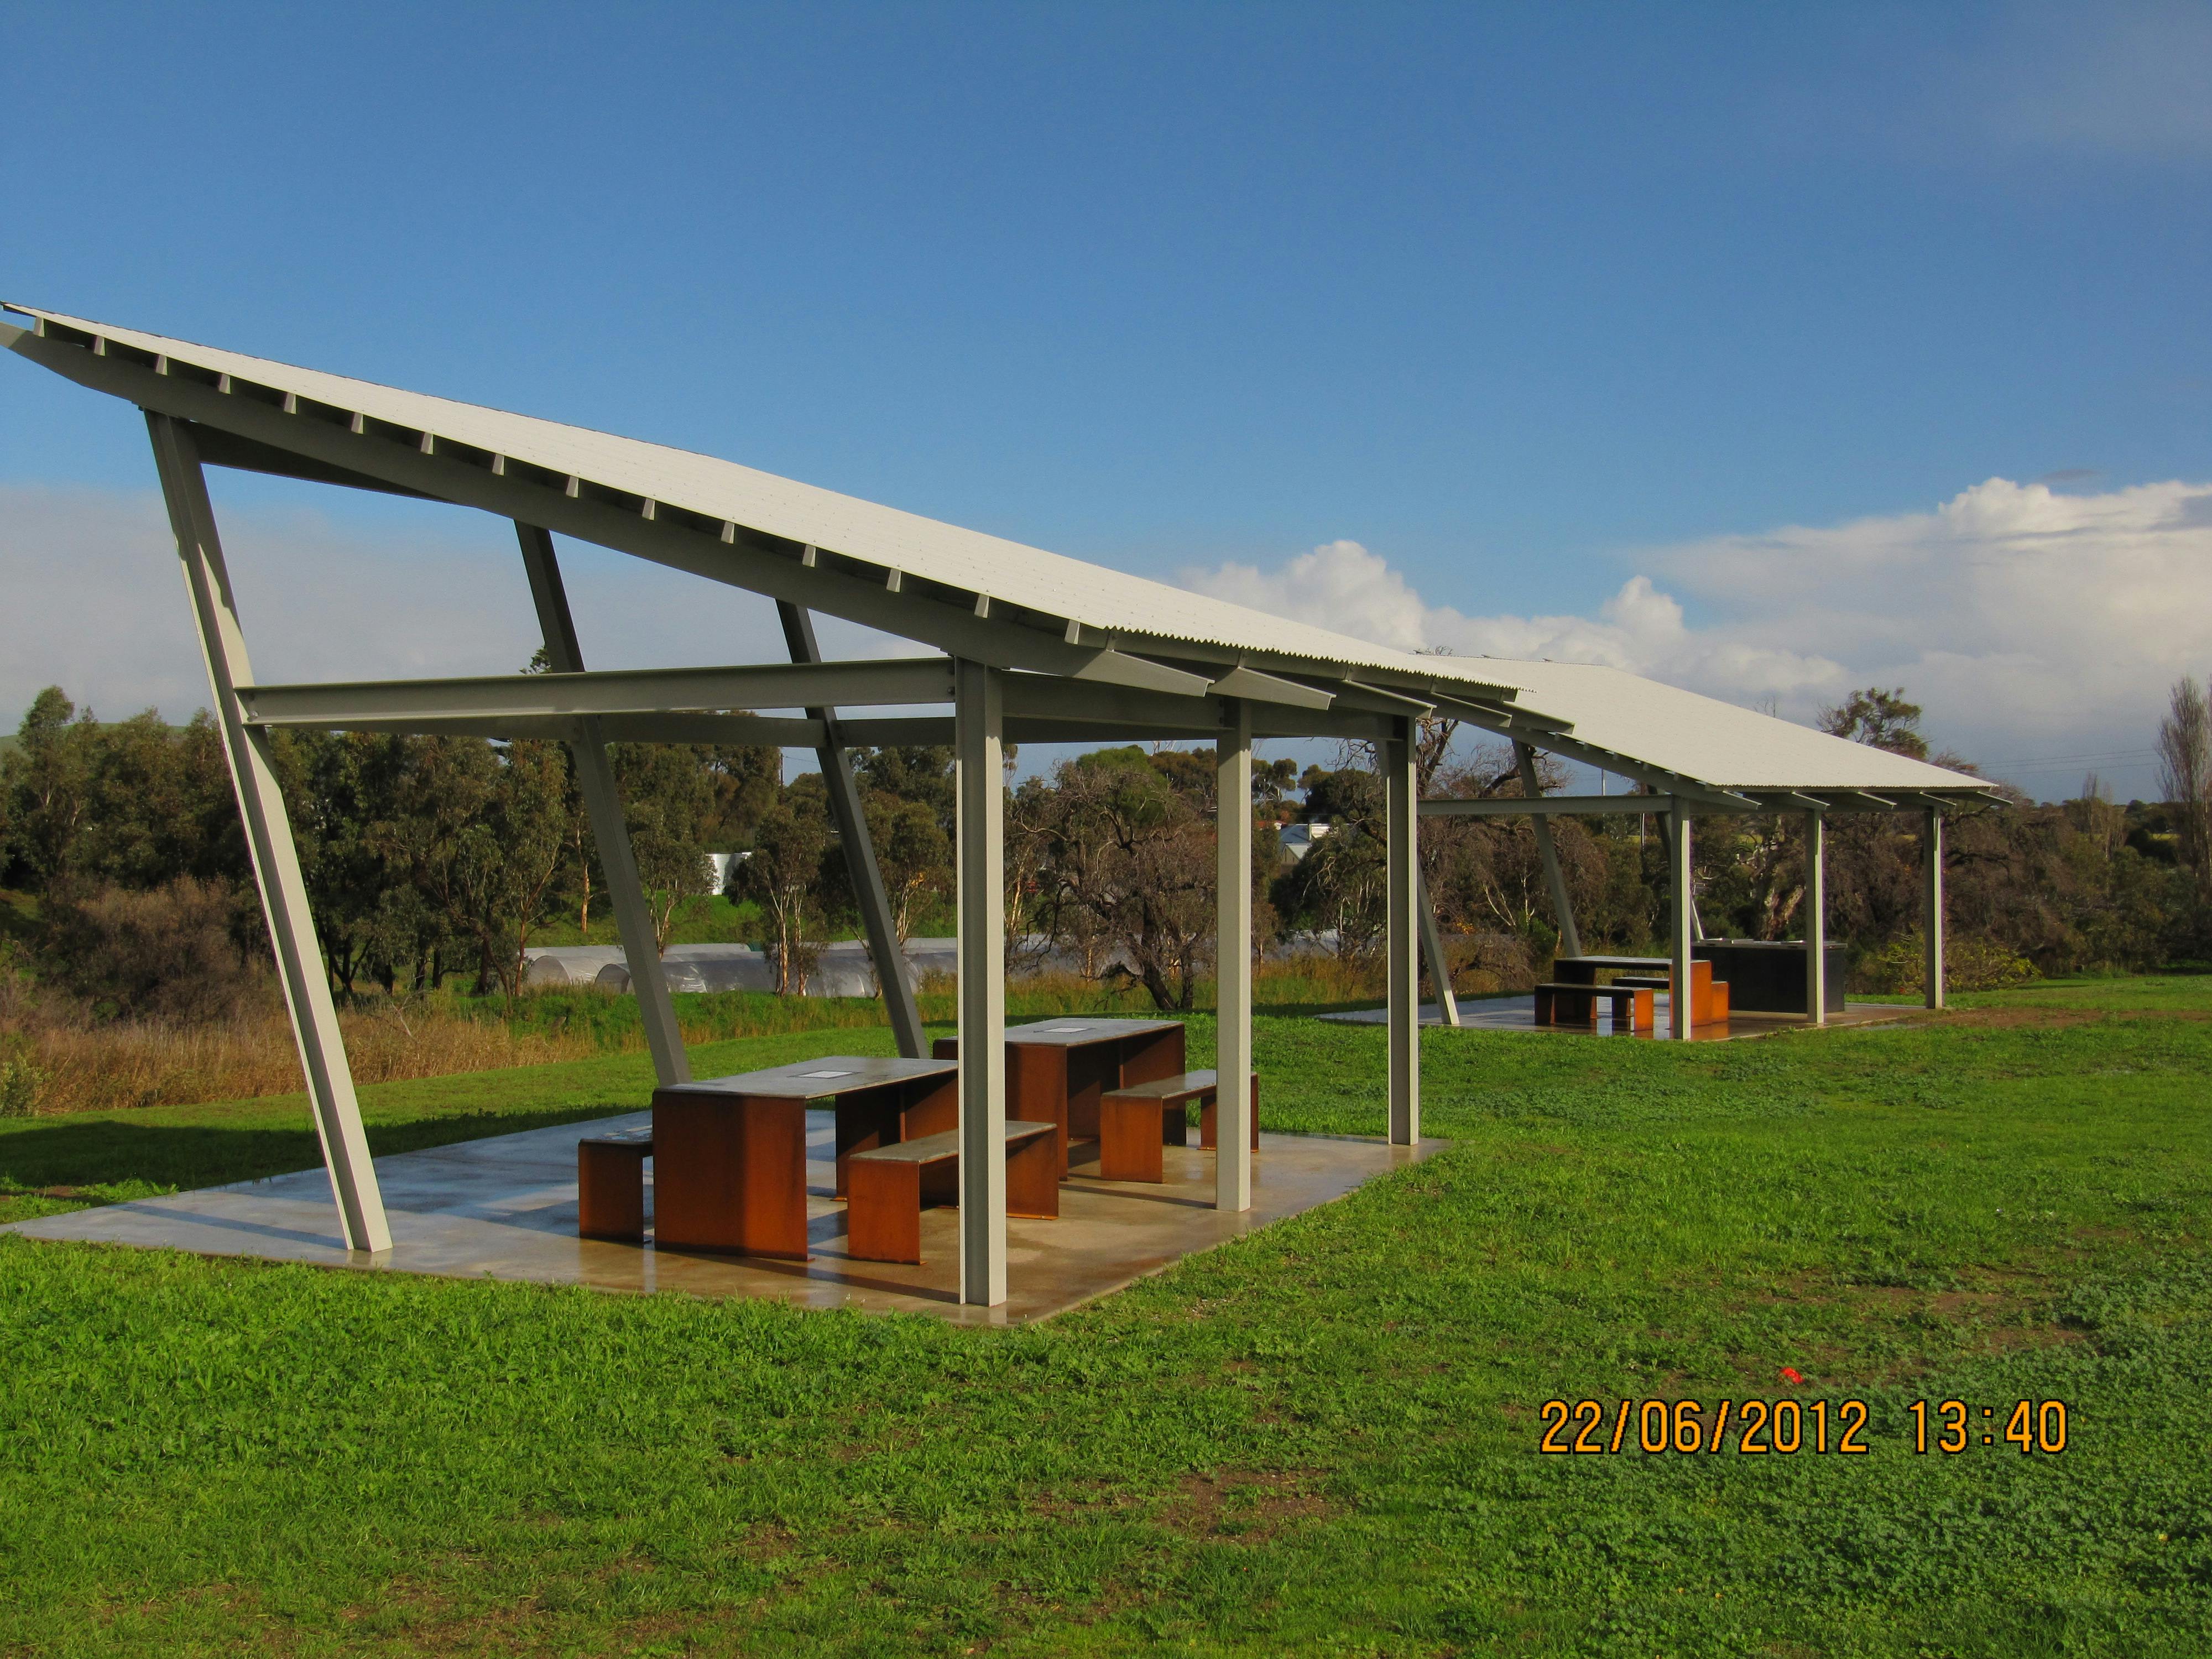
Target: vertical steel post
[[1402, 870], [979, 740], [1816, 919], [275, 859], [1931, 853], [851, 817], [1432, 948], [1681, 919], [1570, 939], [1666, 835], [1232, 958], [595, 780]]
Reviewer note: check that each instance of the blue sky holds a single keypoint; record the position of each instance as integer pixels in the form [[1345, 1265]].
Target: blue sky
[[1526, 304]]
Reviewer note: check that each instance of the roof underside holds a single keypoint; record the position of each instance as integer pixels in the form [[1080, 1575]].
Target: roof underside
[[1719, 742], [967, 593]]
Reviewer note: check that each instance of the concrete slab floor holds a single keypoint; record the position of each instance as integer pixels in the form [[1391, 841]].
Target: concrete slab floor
[[1518, 1013], [505, 1207]]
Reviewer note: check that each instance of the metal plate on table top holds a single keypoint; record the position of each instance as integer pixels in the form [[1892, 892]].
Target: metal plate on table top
[[1071, 1032], [814, 1079]]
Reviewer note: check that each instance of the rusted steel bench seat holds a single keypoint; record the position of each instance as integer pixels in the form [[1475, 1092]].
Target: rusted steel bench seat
[[611, 1185], [1136, 1121], [886, 1187], [1576, 1005], [1709, 997]]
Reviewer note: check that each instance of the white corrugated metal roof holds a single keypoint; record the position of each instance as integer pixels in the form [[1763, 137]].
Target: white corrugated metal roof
[[1639, 719], [1108, 599], [1703, 737]]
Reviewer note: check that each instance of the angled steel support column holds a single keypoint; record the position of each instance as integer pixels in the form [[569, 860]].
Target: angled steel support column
[[1816, 919], [1232, 959], [979, 718], [268, 838], [1570, 939], [1432, 948], [1931, 854], [1402, 867], [1681, 921], [867, 877], [595, 778]]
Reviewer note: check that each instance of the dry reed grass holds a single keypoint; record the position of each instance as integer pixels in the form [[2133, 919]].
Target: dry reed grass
[[85, 1068], [63, 1065]]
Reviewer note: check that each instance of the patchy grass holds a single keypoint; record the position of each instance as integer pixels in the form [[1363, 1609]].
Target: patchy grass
[[1319, 1439]]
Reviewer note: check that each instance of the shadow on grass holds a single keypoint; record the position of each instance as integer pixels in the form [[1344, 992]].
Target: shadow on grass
[[100, 1151], [1293, 1009]]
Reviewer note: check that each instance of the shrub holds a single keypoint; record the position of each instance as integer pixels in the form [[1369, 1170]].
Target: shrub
[[1969, 964], [17, 995], [171, 954], [1497, 961], [21, 1085]]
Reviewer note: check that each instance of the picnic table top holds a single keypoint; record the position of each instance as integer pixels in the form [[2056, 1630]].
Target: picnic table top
[[817, 1079], [1615, 961], [1073, 1033]]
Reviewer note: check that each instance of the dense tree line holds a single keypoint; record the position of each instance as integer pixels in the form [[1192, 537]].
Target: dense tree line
[[429, 859], [424, 857], [2084, 885]]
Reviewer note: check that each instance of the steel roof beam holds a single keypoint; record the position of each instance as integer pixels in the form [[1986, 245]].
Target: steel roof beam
[[1517, 806], [220, 448], [1102, 734], [1775, 801], [1357, 695], [1708, 797], [628, 691], [767, 731], [1508, 719], [1057, 698], [723, 730], [1253, 686]]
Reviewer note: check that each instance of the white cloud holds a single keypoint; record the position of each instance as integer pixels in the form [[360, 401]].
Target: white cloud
[[2127, 79], [91, 600], [2033, 625], [1342, 585]]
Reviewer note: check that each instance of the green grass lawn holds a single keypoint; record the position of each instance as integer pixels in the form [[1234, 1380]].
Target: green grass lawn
[[1320, 1439]]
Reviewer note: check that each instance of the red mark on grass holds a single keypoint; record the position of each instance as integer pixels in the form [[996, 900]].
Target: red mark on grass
[[1791, 1374]]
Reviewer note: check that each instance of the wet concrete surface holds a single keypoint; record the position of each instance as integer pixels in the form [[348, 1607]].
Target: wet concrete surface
[[1519, 1014], [505, 1207]]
